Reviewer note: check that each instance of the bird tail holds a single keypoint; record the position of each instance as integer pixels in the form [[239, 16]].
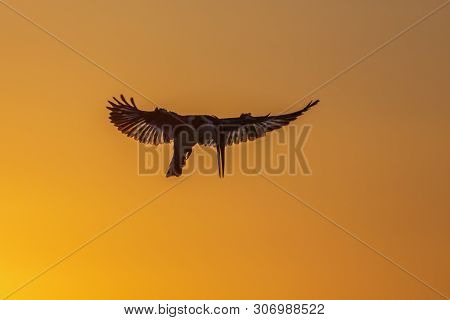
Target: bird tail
[[175, 169], [178, 162]]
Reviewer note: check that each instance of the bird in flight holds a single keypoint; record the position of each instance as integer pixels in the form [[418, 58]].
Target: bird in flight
[[162, 126]]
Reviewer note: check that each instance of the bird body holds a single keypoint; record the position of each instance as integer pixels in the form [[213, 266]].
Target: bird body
[[185, 131]]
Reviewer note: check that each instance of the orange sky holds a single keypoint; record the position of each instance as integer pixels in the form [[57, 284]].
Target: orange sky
[[378, 151]]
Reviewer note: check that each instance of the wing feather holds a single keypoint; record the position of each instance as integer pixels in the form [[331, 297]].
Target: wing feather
[[145, 126], [248, 128]]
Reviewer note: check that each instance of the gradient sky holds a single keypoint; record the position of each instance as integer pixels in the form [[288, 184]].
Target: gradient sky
[[379, 151]]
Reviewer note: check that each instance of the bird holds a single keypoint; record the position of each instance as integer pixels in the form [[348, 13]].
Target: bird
[[186, 131]]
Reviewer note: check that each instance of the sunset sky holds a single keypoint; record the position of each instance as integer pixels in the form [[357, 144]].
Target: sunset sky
[[378, 150]]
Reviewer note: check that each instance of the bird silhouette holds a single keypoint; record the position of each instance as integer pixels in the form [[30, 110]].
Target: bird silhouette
[[162, 126]]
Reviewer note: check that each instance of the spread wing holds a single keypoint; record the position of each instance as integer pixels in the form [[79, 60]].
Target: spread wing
[[153, 127], [246, 127]]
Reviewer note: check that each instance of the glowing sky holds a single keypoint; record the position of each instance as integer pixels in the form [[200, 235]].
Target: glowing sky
[[379, 150]]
